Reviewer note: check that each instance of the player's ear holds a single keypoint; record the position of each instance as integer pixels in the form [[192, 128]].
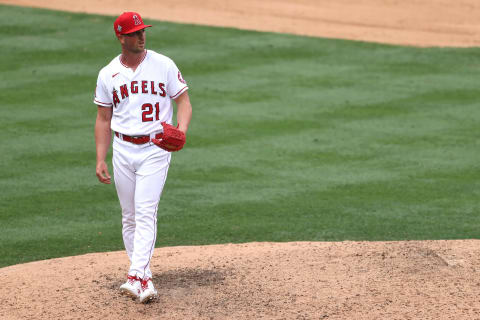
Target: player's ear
[[120, 38]]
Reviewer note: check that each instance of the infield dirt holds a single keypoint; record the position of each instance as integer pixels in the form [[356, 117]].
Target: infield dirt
[[407, 22], [302, 280]]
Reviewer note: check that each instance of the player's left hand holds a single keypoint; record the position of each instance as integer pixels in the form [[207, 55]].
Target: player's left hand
[[173, 139]]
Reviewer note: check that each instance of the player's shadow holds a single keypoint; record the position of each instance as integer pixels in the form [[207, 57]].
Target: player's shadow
[[179, 279], [189, 278]]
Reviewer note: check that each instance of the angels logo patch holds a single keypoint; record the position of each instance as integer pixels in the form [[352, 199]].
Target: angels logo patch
[[136, 20], [180, 78]]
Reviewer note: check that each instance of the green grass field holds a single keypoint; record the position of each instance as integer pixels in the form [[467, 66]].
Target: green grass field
[[292, 139]]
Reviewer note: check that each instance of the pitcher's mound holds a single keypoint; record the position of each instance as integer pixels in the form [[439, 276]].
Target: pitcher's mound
[[300, 280]]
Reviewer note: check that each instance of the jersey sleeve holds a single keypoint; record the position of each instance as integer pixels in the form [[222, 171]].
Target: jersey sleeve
[[176, 85], [102, 98]]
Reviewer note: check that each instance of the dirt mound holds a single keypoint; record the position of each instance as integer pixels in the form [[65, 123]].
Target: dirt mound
[[300, 280]]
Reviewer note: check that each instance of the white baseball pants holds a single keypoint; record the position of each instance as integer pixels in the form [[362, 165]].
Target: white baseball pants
[[139, 172]]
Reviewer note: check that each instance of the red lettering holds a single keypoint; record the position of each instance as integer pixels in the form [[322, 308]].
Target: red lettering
[[144, 86], [157, 111], [162, 87], [115, 98], [147, 109], [152, 85], [133, 87], [124, 91]]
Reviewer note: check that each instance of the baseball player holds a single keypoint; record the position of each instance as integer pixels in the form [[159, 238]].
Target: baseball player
[[133, 95]]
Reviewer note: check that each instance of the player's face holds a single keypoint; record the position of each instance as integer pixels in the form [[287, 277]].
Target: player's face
[[134, 42]]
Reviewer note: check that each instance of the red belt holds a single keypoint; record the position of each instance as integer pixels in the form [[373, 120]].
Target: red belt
[[137, 139]]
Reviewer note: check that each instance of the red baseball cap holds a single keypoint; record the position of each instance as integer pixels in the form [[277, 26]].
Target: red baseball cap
[[128, 22]]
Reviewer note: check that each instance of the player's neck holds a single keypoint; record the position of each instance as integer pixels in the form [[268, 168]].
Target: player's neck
[[132, 59]]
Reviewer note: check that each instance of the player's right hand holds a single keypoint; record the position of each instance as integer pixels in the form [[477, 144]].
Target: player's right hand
[[102, 173]]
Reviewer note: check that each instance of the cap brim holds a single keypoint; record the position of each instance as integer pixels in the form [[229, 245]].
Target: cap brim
[[136, 29]]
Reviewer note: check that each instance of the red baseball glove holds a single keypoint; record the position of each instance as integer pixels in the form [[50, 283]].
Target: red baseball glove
[[172, 140]]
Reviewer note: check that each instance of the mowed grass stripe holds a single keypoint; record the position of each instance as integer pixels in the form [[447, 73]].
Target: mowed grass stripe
[[293, 138]]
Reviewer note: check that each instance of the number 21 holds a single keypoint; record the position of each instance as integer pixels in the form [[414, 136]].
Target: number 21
[[147, 110]]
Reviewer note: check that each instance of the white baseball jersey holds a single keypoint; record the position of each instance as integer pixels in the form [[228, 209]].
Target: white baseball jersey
[[140, 98], [141, 101]]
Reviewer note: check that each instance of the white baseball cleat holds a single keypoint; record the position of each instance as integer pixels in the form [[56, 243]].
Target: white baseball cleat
[[132, 287], [148, 291]]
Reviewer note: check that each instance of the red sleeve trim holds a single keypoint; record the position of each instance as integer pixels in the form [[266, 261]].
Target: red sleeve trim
[[105, 104], [179, 92]]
